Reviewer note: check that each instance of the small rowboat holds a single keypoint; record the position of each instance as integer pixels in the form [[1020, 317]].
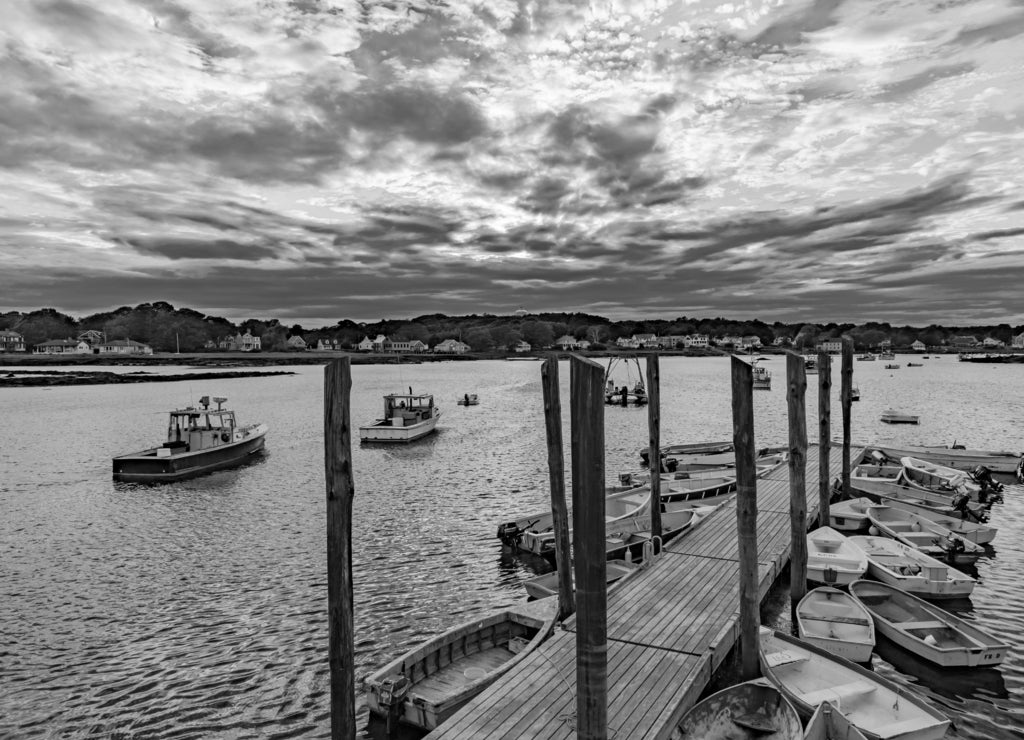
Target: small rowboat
[[754, 710], [889, 416], [1000, 462], [850, 516], [431, 682], [973, 531], [881, 709], [943, 503], [923, 534], [928, 630], [835, 621], [832, 558], [934, 477], [698, 448], [828, 723], [546, 584], [903, 566]]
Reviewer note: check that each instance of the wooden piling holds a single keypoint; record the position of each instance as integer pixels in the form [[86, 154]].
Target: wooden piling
[[824, 435], [796, 390], [586, 381], [746, 514], [556, 476], [654, 429], [846, 398], [340, 492]]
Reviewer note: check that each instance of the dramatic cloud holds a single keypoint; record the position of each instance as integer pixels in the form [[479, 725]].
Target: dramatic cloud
[[812, 160]]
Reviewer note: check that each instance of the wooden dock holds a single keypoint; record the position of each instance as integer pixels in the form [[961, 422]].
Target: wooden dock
[[669, 627]]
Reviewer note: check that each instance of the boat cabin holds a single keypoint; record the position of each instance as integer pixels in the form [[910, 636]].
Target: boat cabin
[[405, 409], [199, 428]]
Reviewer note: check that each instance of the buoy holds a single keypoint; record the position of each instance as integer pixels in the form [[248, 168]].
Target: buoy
[[873, 530]]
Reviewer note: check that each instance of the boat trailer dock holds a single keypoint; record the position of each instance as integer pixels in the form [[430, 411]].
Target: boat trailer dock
[[670, 626]]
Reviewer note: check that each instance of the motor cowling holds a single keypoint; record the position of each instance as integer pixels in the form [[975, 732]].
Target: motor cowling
[[510, 534]]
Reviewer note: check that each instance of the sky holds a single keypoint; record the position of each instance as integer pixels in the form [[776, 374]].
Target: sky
[[318, 160]]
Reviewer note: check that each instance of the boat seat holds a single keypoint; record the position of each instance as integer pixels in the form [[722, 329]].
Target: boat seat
[[783, 657], [839, 692], [930, 624], [836, 618]]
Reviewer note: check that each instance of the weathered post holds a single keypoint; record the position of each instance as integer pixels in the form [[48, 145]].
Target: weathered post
[[847, 401], [340, 492], [796, 389], [654, 427], [556, 475], [824, 435], [586, 379], [746, 513]]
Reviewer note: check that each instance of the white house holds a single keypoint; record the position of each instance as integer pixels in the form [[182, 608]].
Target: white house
[[627, 342], [964, 340], [124, 347], [566, 342], [396, 345], [698, 340], [522, 346], [12, 341], [646, 340], [451, 347], [832, 346], [993, 342], [249, 343], [63, 347], [918, 346], [1018, 341], [296, 342], [366, 345]]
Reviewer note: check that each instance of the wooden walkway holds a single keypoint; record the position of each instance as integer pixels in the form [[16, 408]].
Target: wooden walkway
[[669, 627]]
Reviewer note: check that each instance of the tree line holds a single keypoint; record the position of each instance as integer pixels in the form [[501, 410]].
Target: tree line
[[168, 329]]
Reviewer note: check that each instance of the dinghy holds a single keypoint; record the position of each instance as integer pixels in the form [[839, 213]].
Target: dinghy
[[927, 630], [835, 621], [976, 532], [923, 534], [880, 708], [428, 684], [1000, 462], [546, 584], [833, 559], [754, 710], [945, 503], [890, 416], [934, 477], [851, 515], [697, 448], [903, 566], [828, 723]]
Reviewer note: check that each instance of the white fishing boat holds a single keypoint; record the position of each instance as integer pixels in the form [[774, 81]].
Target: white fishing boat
[[923, 534], [535, 534], [754, 709], [407, 417], [835, 621], [891, 416], [761, 376], [927, 630], [546, 584], [850, 515], [881, 709], [903, 566], [468, 399], [828, 723], [431, 682], [974, 531], [832, 558]]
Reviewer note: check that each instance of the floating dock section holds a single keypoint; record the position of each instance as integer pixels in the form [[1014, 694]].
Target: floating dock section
[[669, 627]]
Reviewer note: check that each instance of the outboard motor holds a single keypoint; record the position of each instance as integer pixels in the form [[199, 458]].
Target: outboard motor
[[990, 488], [510, 534], [670, 464], [393, 690], [962, 505]]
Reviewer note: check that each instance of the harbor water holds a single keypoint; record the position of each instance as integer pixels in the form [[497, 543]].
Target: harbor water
[[198, 609]]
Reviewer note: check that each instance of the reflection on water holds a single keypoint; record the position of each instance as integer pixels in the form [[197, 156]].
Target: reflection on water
[[197, 609]]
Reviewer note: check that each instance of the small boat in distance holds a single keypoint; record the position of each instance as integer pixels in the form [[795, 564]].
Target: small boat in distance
[[434, 680], [762, 378], [889, 416], [754, 709], [199, 440], [469, 399], [407, 417]]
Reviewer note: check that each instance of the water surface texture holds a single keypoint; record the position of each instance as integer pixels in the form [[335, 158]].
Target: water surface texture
[[198, 609]]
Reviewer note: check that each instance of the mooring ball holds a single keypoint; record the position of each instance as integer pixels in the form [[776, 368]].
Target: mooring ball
[[872, 530], [916, 526]]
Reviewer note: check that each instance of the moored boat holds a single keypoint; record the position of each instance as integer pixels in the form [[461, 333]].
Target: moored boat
[[762, 377], [999, 462], [828, 723], [835, 621], [431, 682], [923, 534], [832, 558], [469, 399], [903, 566], [891, 416], [927, 630], [974, 531], [754, 710], [407, 417], [885, 492], [808, 675], [546, 584], [696, 448], [199, 440], [850, 515]]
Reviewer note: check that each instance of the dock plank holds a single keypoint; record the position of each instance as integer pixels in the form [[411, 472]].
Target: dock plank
[[670, 626]]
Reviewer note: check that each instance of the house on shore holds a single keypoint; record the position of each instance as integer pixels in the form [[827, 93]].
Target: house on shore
[[11, 341], [124, 347], [63, 347]]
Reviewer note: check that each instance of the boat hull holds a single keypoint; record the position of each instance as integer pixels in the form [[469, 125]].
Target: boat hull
[[835, 621], [736, 713], [904, 567], [1002, 463], [384, 431], [148, 467]]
